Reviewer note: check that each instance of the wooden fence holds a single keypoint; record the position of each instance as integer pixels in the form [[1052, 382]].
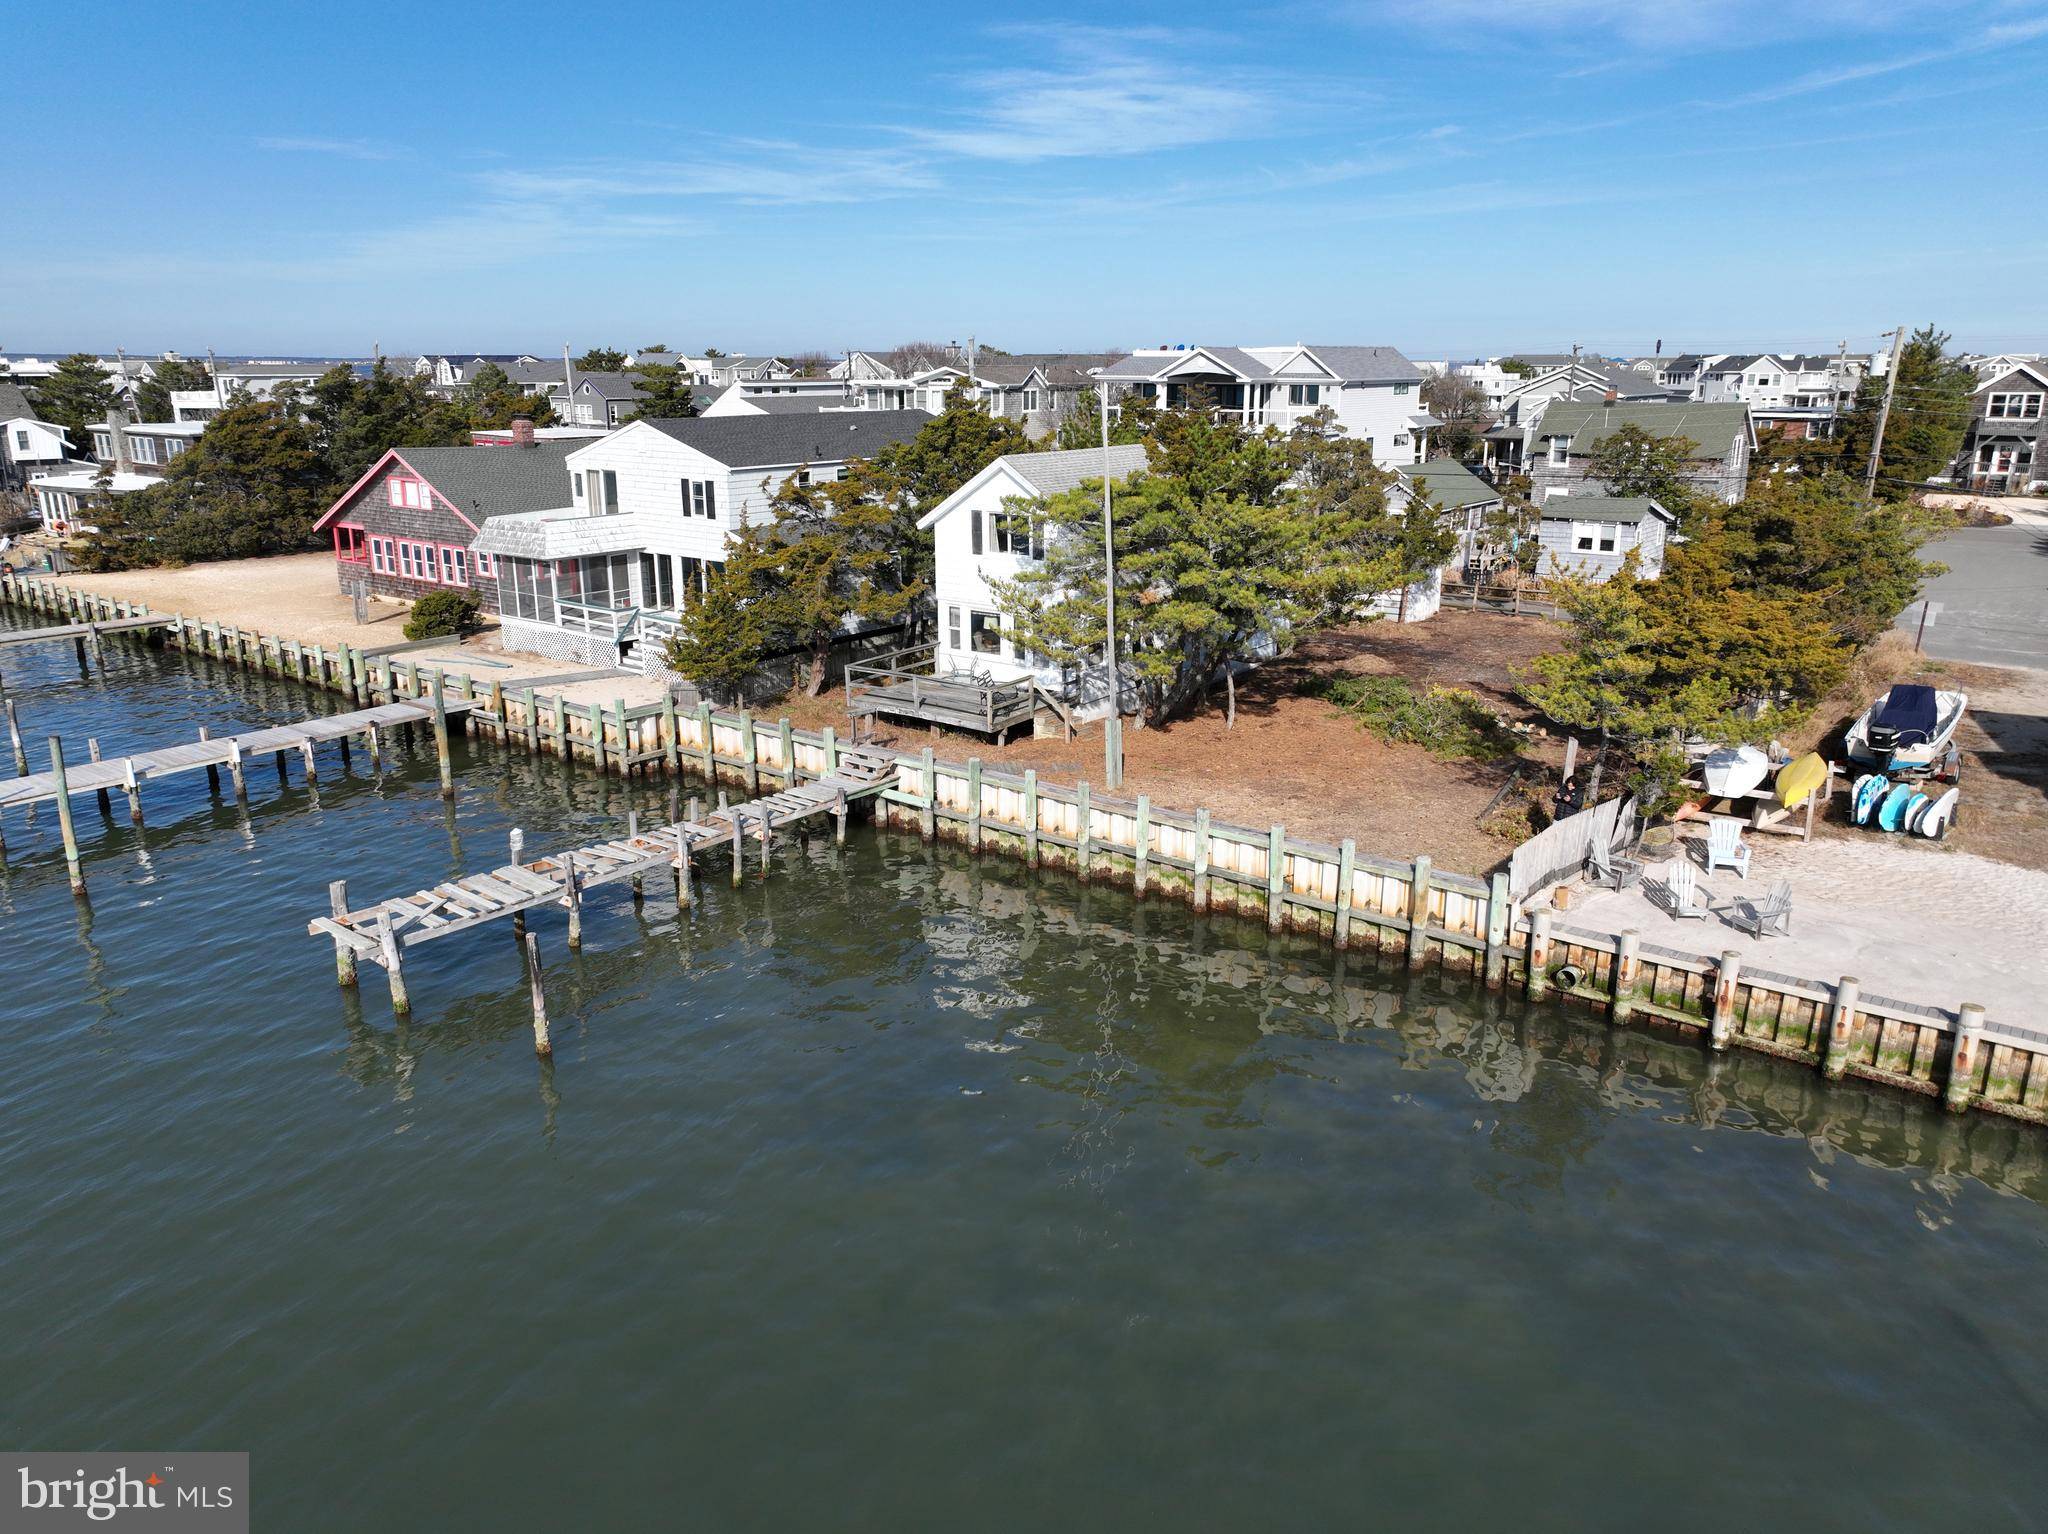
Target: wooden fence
[[1405, 907]]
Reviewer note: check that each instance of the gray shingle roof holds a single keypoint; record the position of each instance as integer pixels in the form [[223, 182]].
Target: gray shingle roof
[[1051, 473], [1714, 427], [1060, 368], [1449, 483], [771, 441], [1602, 508], [491, 481], [14, 403], [1352, 364]]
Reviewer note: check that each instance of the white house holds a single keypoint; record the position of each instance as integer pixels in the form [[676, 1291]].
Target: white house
[[1373, 391], [28, 444], [979, 540], [262, 380], [651, 507], [784, 396]]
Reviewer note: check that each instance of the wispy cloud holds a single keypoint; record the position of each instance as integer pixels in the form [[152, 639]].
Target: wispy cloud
[[746, 171], [1105, 92], [343, 148], [2002, 35]]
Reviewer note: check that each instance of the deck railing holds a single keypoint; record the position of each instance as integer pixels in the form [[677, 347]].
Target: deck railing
[[606, 622], [910, 682]]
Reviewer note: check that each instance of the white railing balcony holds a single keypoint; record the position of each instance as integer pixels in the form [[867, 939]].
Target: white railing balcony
[[603, 620]]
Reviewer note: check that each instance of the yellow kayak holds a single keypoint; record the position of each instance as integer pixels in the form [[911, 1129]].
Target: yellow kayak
[[1798, 778]]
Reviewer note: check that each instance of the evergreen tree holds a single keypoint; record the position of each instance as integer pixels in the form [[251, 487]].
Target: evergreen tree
[[667, 393], [252, 484], [725, 633], [77, 397], [180, 374], [601, 359], [1932, 407], [1130, 420], [491, 401], [355, 420], [1460, 405], [1602, 679]]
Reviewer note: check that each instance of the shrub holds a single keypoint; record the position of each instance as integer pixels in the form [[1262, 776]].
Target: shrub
[[444, 612], [1445, 721]]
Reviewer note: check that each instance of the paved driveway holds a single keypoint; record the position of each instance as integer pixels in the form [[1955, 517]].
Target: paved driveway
[[1992, 606]]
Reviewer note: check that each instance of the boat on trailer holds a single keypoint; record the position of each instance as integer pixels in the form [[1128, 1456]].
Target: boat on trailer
[[1911, 729]]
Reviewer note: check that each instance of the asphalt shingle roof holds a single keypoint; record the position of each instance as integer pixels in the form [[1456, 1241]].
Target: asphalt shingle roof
[[1449, 483], [1051, 473], [492, 481], [14, 403], [769, 441], [1713, 427], [1352, 364], [1602, 508]]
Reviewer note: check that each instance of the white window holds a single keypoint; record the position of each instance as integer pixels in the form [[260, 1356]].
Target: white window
[[408, 492], [985, 633], [102, 444], [1593, 537], [1030, 399], [2014, 407], [1305, 394], [576, 486], [145, 449], [1016, 534], [1400, 388], [1560, 449], [454, 565], [701, 497], [383, 556], [21, 441], [172, 448], [953, 629]]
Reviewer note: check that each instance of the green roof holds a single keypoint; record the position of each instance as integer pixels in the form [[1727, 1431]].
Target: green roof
[[1714, 427], [1449, 483]]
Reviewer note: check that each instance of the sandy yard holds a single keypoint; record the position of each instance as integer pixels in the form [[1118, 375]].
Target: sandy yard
[[295, 596], [1912, 920], [1299, 760]]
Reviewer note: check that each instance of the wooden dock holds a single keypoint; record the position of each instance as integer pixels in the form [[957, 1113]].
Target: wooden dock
[[80, 631], [381, 932], [129, 772]]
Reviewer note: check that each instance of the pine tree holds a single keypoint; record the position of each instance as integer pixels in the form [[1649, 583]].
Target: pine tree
[[601, 359], [725, 633], [179, 374], [1602, 679], [667, 393], [1931, 413], [77, 397]]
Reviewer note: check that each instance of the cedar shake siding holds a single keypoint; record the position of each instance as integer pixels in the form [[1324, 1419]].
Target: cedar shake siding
[[2006, 450], [409, 526], [386, 545]]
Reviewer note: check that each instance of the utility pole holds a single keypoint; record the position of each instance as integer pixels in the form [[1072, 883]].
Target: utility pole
[[1884, 414], [1112, 723], [1835, 379]]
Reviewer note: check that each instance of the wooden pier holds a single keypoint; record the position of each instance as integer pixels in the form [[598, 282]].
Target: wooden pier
[[85, 636], [381, 932]]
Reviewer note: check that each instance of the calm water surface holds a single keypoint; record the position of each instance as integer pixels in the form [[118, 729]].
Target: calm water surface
[[904, 1190]]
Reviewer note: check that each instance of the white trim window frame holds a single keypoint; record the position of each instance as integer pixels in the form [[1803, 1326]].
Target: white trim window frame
[[2013, 405]]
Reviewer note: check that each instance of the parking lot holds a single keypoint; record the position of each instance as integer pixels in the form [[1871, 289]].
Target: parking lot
[[1991, 608]]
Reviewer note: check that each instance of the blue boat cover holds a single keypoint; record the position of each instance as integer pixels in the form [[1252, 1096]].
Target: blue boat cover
[[1909, 709]]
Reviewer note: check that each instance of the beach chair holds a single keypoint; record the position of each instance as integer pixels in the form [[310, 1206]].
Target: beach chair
[[1769, 916], [1682, 896], [1608, 869], [1725, 846]]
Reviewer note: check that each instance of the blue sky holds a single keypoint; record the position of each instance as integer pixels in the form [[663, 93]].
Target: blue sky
[[1448, 176]]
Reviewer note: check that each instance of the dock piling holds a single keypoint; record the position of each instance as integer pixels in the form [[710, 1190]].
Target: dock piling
[[344, 953], [684, 892], [14, 739], [1418, 910], [212, 772], [394, 966], [64, 825], [1727, 977], [1965, 1057], [441, 741], [543, 1044], [106, 802], [573, 891]]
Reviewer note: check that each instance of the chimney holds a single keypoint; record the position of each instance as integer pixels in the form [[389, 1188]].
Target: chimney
[[1612, 396], [117, 433], [522, 432]]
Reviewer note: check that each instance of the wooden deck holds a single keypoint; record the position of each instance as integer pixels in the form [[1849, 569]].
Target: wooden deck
[[381, 932], [229, 751], [906, 685]]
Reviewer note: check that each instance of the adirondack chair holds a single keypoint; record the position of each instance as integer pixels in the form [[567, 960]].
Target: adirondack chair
[[1610, 869], [1772, 914], [1682, 891], [1725, 846]]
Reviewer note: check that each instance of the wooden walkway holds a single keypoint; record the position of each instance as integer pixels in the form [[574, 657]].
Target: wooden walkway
[[383, 931], [81, 632], [229, 751]]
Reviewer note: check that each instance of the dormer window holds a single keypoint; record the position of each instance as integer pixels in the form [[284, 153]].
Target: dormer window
[[1560, 450]]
